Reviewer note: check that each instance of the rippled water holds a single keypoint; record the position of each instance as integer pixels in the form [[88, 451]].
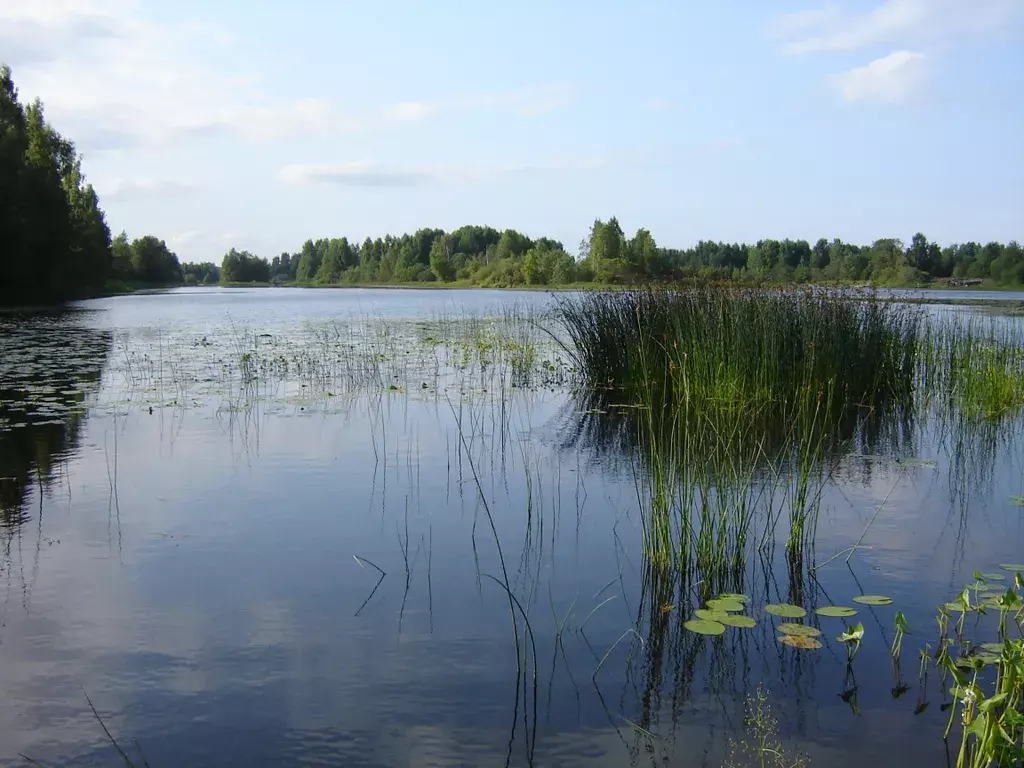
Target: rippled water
[[255, 528]]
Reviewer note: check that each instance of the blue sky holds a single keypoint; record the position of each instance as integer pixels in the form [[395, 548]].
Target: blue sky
[[259, 124]]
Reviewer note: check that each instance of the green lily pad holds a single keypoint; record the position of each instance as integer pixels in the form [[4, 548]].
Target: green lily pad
[[873, 600], [836, 612], [734, 596], [1015, 567], [729, 606], [1017, 501], [704, 627], [992, 647], [995, 576], [958, 607], [742, 622], [799, 629], [785, 610], [705, 614], [802, 642]]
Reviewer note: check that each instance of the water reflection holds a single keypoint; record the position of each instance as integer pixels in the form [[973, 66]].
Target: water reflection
[[51, 367], [236, 624]]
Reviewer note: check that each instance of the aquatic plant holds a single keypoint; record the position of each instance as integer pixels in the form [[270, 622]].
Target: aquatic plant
[[760, 745], [739, 395], [987, 677]]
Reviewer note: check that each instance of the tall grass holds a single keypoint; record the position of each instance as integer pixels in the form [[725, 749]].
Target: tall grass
[[741, 395], [975, 368]]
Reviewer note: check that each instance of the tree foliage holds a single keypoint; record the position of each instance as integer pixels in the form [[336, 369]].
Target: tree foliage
[[55, 244], [244, 267], [54, 240]]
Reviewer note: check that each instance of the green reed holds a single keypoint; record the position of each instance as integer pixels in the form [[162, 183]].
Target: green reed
[[742, 395], [975, 368]]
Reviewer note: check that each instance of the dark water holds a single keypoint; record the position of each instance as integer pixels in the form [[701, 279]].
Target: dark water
[[194, 539]]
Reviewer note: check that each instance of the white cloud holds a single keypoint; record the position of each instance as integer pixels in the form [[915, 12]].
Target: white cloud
[[368, 174], [892, 79], [832, 29], [409, 111], [114, 80], [186, 238], [127, 190]]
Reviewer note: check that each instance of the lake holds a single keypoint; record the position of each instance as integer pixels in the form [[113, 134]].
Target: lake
[[379, 527]]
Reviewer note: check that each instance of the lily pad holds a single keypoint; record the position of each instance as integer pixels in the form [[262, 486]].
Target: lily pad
[[1017, 501], [873, 600], [743, 622], [734, 596], [785, 610], [729, 606], [802, 642], [992, 647], [705, 614], [799, 629], [1015, 567], [704, 627], [995, 576], [958, 607], [836, 612]]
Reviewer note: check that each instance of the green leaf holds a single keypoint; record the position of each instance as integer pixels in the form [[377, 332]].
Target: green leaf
[[836, 612], [734, 596], [901, 623], [708, 615], [853, 634], [742, 622], [873, 600], [785, 610], [1017, 567], [995, 701], [704, 627], [729, 606]]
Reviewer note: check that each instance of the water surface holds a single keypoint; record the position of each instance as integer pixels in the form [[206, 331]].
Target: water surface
[[202, 489]]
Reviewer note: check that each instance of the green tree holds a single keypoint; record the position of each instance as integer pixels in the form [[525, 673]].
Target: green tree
[[440, 259]]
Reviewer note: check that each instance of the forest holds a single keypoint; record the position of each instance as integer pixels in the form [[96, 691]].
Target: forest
[[485, 256], [55, 245]]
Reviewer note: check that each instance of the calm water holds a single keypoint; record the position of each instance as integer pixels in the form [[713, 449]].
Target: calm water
[[255, 529]]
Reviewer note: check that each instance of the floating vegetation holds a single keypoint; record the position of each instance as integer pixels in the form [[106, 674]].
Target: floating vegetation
[[727, 606], [705, 627], [801, 642], [799, 629], [706, 614], [785, 610], [734, 597], [1017, 501], [742, 622], [835, 611], [873, 600]]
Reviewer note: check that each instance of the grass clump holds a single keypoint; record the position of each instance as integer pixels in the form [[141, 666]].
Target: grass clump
[[738, 396], [977, 368], [759, 351]]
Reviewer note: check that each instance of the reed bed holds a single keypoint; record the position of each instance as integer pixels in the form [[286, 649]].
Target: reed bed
[[742, 396]]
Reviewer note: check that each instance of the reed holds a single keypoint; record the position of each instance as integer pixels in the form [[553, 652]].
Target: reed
[[741, 397]]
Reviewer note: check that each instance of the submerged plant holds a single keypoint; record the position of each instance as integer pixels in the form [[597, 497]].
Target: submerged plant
[[760, 744]]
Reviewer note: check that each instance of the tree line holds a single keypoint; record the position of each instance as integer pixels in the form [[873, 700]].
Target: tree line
[[489, 257], [55, 244]]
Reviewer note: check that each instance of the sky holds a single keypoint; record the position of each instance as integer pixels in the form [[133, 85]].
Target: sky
[[256, 124]]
